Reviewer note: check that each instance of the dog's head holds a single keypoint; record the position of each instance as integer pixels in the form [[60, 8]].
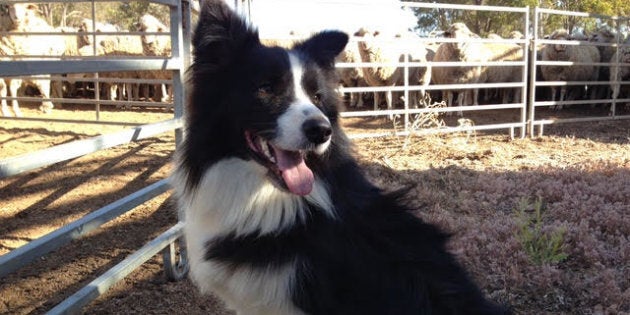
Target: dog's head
[[268, 104]]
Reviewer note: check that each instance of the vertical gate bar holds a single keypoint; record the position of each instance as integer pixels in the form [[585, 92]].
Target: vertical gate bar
[[524, 73], [177, 269], [97, 88], [406, 92], [533, 39], [177, 16], [616, 67]]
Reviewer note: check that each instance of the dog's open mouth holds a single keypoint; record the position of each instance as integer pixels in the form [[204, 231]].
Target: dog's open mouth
[[288, 166]]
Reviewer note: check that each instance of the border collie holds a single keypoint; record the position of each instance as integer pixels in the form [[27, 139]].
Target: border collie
[[279, 217]]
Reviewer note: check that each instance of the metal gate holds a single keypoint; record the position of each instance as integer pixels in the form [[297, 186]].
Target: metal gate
[[175, 63], [537, 86]]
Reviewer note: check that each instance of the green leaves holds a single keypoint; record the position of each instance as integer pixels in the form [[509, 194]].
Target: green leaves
[[542, 245], [502, 23]]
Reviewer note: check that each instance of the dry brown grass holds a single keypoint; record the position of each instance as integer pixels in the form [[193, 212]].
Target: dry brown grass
[[474, 187]]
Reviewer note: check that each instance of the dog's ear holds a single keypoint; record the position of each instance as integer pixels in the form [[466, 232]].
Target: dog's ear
[[324, 47], [220, 35]]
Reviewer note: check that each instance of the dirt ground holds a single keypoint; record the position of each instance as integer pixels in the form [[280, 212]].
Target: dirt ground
[[35, 203]]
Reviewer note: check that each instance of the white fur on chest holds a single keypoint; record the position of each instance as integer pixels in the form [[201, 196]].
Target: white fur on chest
[[235, 196]]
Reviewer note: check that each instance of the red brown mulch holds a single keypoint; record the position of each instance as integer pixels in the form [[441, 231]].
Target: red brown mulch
[[471, 185]]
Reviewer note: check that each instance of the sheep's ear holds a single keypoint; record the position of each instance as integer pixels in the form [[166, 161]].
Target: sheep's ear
[[324, 47], [221, 35]]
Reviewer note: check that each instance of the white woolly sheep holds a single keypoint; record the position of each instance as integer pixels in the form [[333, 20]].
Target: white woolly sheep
[[373, 48], [19, 18], [351, 76], [379, 48], [113, 45], [502, 74], [416, 52], [604, 35], [89, 26], [516, 35], [463, 50], [620, 73], [156, 45], [577, 72]]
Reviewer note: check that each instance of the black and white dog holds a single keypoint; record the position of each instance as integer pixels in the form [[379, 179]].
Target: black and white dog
[[279, 217]]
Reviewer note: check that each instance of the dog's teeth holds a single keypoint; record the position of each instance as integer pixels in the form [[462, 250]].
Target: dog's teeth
[[266, 151], [269, 155]]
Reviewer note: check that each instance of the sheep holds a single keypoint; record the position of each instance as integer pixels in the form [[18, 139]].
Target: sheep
[[72, 42], [416, 52], [620, 73], [577, 54], [156, 45], [4, 109], [494, 36], [19, 18], [372, 49], [153, 45], [120, 44], [351, 76], [463, 50], [502, 74], [89, 26], [516, 35], [378, 48], [604, 35]]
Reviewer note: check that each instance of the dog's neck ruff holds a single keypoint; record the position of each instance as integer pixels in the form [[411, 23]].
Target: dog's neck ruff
[[236, 196]]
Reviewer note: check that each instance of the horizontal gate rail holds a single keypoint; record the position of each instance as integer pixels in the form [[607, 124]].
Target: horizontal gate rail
[[95, 64], [23, 255], [75, 121], [464, 7], [75, 302], [30, 161]]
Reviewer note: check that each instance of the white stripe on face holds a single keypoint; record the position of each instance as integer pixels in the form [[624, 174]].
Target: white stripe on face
[[290, 133], [298, 73]]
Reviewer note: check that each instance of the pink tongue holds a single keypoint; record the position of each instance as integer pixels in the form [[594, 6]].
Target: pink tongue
[[297, 176]]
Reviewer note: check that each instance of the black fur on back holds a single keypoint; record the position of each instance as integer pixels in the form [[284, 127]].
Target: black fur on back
[[376, 257]]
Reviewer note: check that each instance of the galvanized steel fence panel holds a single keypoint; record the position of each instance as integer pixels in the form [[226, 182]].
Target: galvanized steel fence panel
[[180, 16]]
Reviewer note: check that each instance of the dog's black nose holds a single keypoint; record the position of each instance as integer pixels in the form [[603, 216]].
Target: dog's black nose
[[317, 130]]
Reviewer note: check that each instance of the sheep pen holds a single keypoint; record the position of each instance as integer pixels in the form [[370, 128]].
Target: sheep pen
[[483, 188]]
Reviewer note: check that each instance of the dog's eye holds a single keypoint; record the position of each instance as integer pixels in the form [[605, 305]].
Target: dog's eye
[[317, 97], [265, 89]]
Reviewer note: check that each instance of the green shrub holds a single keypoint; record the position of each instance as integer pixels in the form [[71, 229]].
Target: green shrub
[[541, 246]]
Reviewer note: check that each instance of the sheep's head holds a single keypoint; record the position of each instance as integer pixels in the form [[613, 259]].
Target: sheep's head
[[18, 13], [603, 35], [460, 31], [85, 26], [367, 44], [88, 26], [150, 24], [516, 35], [560, 34], [579, 36]]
